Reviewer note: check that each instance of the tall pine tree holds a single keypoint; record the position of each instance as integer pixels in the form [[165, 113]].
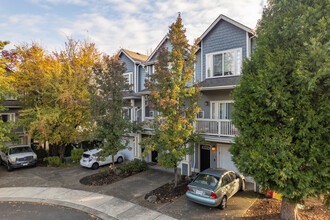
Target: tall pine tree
[[282, 108]]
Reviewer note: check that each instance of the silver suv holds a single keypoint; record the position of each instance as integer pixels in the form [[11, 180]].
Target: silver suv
[[18, 156]]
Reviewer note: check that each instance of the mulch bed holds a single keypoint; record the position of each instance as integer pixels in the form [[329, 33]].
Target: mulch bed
[[104, 178], [167, 193], [269, 208]]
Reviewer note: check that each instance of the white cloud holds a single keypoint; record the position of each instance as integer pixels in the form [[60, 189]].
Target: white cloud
[[137, 25]]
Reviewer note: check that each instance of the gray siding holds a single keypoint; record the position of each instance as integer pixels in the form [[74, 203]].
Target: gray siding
[[217, 95], [223, 36], [167, 45], [141, 78], [213, 157], [128, 62]]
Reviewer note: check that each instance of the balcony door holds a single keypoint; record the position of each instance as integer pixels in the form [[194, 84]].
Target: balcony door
[[221, 109]]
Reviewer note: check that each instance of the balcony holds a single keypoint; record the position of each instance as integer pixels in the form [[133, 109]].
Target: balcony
[[216, 127]]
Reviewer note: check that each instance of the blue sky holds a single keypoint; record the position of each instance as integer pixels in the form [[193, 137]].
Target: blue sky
[[137, 25]]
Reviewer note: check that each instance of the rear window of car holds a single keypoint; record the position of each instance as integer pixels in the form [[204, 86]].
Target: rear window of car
[[17, 150], [86, 155], [207, 179]]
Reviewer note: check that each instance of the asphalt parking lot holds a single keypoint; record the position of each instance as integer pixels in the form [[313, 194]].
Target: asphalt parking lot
[[35, 211], [132, 189]]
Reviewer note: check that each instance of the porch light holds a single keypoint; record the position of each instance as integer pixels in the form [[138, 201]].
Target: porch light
[[213, 148], [206, 103]]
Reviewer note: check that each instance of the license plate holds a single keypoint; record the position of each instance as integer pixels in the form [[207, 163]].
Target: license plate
[[25, 164], [198, 192], [84, 160]]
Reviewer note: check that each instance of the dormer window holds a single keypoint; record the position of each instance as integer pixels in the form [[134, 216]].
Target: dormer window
[[224, 63]]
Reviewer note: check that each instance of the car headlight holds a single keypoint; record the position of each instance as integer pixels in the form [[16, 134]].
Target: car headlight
[[12, 160], [35, 157]]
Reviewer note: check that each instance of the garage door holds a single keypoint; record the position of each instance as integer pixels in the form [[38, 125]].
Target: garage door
[[129, 151], [225, 158]]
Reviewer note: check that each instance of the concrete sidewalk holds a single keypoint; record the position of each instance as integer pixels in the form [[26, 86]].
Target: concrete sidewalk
[[103, 206]]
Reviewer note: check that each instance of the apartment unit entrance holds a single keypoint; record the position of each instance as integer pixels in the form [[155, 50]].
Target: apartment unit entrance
[[205, 157]]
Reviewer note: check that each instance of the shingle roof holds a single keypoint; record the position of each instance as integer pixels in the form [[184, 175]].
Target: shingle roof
[[220, 81], [135, 55]]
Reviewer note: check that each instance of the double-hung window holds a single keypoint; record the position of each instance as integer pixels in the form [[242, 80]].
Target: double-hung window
[[224, 63], [129, 79]]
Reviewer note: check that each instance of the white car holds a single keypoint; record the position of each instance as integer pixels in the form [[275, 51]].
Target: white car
[[89, 159], [18, 156]]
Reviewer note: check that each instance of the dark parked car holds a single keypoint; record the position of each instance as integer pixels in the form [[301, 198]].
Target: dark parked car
[[213, 187]]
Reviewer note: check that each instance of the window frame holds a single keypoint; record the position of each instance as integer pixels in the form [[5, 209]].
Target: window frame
[[216, 103], [130, 79], [238, 66], [11, 116]]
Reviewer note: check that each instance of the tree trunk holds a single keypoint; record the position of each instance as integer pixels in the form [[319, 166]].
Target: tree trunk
[[113, 162], [289, 211], [175, 177], [62, 151]]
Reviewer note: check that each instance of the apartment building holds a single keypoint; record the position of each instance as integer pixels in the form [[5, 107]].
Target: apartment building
[[222, 48]]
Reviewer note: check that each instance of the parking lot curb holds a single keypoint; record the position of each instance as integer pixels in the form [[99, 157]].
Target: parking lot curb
[[102, 206]]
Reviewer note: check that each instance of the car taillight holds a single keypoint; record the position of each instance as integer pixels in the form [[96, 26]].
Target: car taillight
[[188, 189], [214, 196], [90, 159]]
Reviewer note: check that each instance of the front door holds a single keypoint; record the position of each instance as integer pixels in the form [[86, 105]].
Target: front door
[[154, 155], [205, 157]]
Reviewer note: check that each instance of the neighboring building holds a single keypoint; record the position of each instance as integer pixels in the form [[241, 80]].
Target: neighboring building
[[134, 73], [11, 113], [222, 49]]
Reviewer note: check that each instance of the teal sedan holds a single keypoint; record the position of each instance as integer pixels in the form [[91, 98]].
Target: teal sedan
[[213, 187]]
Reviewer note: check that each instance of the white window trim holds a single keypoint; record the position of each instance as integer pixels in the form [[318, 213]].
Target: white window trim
[[222, 52], [11, 116], [217, 103], [130, 78]]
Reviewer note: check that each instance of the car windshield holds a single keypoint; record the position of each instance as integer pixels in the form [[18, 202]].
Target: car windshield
[[207, 179], [17, 150]]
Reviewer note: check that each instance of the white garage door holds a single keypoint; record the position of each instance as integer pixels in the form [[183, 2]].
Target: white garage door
[[129, 152], [225, 159]]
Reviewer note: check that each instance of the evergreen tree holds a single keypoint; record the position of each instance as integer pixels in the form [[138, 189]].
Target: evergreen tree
[[282, 108], [175, 101], [108, 103]]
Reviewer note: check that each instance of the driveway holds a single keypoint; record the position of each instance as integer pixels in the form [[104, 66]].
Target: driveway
[[131, 189]]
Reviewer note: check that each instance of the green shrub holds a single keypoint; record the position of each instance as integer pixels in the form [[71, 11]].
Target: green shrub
[[41, 153], [134, 166], [76, 155], [54, 161]]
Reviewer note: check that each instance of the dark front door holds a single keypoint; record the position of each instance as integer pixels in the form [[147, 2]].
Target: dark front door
[[205, 157], [154, 155]]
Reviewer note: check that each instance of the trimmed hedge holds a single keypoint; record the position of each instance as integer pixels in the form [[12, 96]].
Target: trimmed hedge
[[134, 166], [76, 155]]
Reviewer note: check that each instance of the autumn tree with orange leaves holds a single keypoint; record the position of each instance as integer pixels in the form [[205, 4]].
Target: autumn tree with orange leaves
[[54, 90], [175, 100]]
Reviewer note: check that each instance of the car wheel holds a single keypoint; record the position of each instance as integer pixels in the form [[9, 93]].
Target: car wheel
[[223, 203], [9, 168], [95, 166], [120, 159]]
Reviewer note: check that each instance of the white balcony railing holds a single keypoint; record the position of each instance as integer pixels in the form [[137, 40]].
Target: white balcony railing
[[220, 127]]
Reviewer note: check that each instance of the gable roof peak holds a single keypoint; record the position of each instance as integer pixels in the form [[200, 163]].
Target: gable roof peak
[[231, 21], [135, 56]]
